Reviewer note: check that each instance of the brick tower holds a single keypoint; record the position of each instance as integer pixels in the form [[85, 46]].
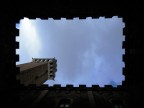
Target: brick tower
[[38, 71]]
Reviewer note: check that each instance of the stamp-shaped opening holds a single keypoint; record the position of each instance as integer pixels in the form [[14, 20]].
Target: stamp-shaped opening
[[88, 51]]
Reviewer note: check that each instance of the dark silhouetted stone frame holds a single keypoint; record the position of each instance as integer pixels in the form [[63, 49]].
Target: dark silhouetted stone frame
[[130, 13]]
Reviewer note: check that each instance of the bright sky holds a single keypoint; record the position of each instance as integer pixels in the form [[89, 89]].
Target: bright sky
[[88, 51]]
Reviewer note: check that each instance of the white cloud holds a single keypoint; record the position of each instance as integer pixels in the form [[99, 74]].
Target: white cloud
[[30, 45]]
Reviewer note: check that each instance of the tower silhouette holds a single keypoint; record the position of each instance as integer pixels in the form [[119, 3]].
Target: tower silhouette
[[37, 72]]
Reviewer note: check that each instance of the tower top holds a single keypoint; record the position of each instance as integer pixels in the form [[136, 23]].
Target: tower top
[[37, 60]]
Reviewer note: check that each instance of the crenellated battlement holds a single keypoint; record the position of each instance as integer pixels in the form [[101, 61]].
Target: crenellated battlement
[[69, 87]]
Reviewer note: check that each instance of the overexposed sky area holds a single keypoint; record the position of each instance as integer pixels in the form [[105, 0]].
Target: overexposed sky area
[[88, 51]]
